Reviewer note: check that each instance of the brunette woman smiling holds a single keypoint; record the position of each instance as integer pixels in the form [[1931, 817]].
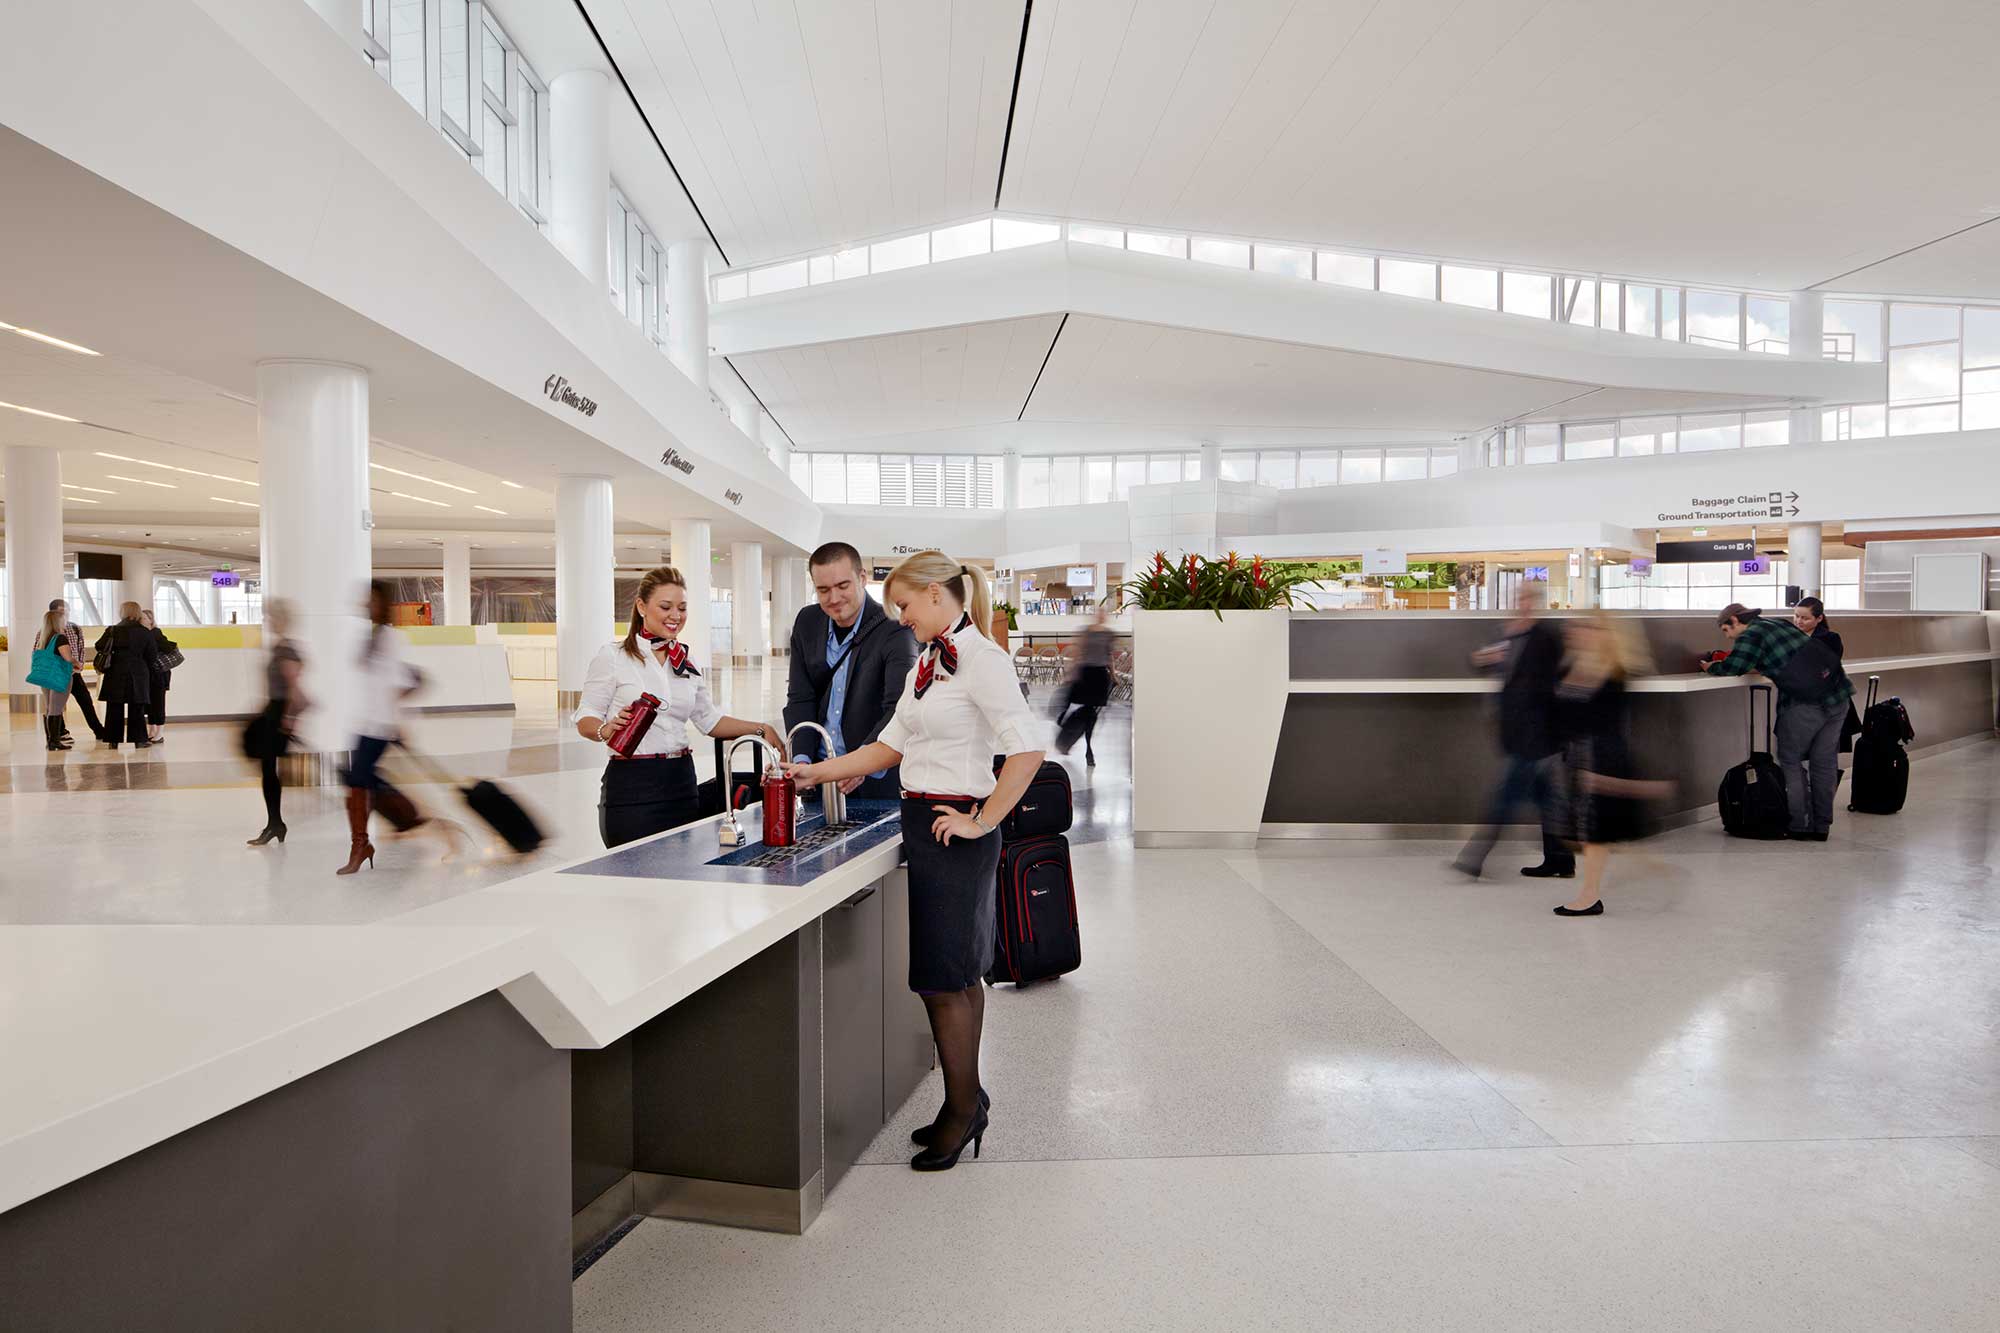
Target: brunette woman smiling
[[961, 706], [652, 789]]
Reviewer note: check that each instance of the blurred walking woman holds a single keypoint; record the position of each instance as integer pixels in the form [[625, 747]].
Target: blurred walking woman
[[961, 706], [131, 659], [1604, 797], [384, 681], [652, 789], [271, 734]]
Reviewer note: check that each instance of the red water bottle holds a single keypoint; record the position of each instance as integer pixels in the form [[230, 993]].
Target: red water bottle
[[626, 739], [780, 807]]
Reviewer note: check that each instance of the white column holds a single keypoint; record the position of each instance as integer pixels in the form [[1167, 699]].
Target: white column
[[1808, 329], [584, 575], [750, 637], [457, 581], [137, 585], [34, 561], [344, 17], [692, 557], [788, 596], [1010, 480], [687, 309], [775, 442], [1583, 584], [1802, 557], [580, 170], [211, 603], [312, 432], [1211, 462]]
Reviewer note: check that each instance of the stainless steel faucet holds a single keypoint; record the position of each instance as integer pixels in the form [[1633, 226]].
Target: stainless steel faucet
[[832, 800], [730, 831]]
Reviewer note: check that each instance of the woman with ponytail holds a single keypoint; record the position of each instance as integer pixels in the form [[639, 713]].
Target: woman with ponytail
[[961, 706], [652, 789]]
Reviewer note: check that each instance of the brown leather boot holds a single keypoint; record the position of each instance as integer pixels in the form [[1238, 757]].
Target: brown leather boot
[[359, 848]]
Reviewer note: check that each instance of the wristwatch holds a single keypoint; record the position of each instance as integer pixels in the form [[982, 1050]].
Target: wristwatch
[[984, 827]]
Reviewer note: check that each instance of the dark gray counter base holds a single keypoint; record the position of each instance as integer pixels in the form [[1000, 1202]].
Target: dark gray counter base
[[745, 1104], [420, 1183]]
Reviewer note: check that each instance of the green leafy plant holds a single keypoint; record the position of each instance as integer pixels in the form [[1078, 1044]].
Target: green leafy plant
[[1199, 583], [1013, 614]]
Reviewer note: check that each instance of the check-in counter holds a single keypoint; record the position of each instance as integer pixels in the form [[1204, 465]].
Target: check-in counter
[[420, 1123], [1412, 723]]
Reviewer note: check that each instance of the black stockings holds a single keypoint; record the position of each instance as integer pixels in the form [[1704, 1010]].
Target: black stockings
[[957, 1019], [272, 792]]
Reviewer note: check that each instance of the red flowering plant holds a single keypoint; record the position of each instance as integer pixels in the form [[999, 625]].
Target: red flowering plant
[[1199, 583]]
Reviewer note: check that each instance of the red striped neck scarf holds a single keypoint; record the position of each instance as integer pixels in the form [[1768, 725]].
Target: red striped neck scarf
[[677, 654], [940, 657]]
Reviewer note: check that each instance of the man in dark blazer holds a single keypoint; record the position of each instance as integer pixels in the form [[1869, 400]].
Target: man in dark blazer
[[849, 661]]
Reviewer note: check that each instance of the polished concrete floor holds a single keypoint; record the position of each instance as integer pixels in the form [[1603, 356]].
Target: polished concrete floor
[[1313, 1086]]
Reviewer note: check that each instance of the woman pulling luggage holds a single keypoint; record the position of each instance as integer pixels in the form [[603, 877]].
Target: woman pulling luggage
[[961, 705]]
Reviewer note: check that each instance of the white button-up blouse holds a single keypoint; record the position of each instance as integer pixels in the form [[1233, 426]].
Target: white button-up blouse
[[615, 680], [948, 738]]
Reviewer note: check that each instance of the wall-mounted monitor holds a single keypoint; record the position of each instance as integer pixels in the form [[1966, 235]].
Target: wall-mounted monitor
[[98, 565]]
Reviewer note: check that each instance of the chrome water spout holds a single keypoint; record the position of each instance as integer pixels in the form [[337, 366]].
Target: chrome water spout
[[731, 832], [832, 800]]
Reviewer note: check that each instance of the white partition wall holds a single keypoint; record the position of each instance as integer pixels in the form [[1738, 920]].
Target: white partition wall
[[312, 429], [34, 560]]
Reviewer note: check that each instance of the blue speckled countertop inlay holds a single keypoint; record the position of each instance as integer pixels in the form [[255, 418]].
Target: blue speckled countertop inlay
[[691, 853]]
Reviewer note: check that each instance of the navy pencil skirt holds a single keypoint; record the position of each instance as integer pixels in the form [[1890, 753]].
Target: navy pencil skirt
[[952, 895]]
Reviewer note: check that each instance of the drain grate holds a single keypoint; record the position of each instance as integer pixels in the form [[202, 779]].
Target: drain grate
[[811, 842]]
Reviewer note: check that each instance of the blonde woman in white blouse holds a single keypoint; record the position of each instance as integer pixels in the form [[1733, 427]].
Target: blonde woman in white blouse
[[961, 705], [654, 789]]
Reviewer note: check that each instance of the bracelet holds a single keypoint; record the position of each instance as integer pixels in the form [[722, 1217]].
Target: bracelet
[[600, 730], [984, 827]]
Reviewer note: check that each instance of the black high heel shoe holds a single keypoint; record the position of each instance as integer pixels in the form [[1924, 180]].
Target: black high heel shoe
[[1595, 909], [935, 1159], [277, 831], [921, 1135]]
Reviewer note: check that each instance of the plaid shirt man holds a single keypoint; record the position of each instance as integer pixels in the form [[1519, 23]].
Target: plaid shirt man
[[1764, 647]]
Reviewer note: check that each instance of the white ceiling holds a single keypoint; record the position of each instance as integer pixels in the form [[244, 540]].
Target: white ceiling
[[1773, 144], [1965, 265], [975, 380], [934, 379], [798, 125]]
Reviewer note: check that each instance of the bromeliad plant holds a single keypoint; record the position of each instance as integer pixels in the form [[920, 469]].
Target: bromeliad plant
[[1200, 583]]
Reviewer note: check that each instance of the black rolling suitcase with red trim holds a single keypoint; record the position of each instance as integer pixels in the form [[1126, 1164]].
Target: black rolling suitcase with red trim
[[1037, 933]]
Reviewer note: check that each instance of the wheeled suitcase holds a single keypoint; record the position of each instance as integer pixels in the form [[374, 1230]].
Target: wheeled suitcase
[[1037, 933], [1752, 796], [487, 800], [1881, 777], [1045, 808]]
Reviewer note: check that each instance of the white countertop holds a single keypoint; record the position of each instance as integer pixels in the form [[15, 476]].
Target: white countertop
[[119, 1037]]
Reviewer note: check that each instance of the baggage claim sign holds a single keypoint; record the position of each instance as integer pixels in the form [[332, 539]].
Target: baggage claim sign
[[1724, 508]]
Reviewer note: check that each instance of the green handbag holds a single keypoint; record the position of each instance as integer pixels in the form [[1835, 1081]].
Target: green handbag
[[47, 668]]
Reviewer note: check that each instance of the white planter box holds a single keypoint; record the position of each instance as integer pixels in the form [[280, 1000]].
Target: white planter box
[[1208, 700]]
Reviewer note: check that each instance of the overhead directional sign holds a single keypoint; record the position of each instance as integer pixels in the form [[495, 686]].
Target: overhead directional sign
[[1702, 553], [1779, 503]]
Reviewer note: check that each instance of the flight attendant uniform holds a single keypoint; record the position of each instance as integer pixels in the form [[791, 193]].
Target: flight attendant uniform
[[654, 789], [961, 706]]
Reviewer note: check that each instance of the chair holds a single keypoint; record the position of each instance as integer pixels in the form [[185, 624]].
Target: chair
[[1049, 663], [1024, 664]]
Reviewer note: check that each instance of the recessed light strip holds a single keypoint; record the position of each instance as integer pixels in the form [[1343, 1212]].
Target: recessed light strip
[[37, 412], [141, 481], [45, 338], [491, 510], [223, 499], [79, 500], [94, 490], [400, 495], [418, 476], [169, 467]]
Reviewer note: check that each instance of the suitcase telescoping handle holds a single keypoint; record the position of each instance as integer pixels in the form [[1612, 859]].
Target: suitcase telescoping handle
[[1874, 688], [1770, 694]]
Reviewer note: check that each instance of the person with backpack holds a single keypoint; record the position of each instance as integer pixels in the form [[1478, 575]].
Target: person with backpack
[[1813, 694]]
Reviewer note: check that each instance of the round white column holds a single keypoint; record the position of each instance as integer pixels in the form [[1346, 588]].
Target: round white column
[[211, 603], [736, 396], [750, 632], [34, 561], [137, 585], [1211, 462], [1805, 339], [580, 170], [1010, 479], [687, 309], [312, 430], [457, 581], [1802, 557], [775, 442], [584, 581], [693, 557], [788, 597]]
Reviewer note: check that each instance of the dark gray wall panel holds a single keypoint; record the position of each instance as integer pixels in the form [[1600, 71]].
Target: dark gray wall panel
[[421, 1183], [600, 1119]]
